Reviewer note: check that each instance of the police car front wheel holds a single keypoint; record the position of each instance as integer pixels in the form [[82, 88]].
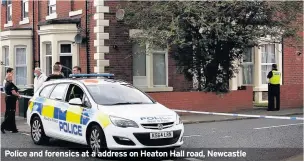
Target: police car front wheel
[[97, 139], [37, 131]]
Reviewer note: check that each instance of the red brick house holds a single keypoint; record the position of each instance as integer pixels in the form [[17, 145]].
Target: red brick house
[[48, 36]]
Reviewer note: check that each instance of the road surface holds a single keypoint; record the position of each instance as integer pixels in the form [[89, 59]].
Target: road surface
[[260, 139]]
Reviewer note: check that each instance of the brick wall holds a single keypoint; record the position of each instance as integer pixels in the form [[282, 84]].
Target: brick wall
[[200, 101], [292, 88]]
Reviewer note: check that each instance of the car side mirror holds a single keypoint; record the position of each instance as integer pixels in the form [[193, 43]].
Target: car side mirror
[[75, 101]]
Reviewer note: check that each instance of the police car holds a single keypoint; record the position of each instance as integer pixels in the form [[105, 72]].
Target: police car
[[102, 113]]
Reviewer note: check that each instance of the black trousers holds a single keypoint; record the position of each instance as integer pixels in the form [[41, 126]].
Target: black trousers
[[9, 122], [274, 97]]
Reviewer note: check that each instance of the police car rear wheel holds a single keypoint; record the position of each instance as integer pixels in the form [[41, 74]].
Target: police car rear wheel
[[37, 132], [97, 139]]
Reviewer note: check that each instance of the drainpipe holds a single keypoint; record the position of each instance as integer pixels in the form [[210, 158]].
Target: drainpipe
[[87, 38], [282, 61], [33, 31], [38, 28]]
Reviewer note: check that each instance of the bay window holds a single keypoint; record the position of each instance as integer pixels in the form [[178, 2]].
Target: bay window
[[6, 58], [48, 58], [248, 67], [268, 58], [66, 58], [21, 66], [139, 65]]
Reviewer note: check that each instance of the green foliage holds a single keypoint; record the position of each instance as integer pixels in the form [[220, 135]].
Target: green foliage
[[206, 37]]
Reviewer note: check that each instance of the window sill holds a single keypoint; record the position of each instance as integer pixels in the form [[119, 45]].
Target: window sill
[[74, 13], [24, 21], [156, 89], [51, 16], [9, 24]]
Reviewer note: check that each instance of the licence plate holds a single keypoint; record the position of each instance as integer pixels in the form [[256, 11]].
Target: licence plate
[[159, 135]]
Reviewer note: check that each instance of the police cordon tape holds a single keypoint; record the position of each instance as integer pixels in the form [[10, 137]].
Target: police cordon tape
[[225, 114], [240, 115]]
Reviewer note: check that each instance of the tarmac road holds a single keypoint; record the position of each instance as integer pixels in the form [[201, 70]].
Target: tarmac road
[[260, 139]]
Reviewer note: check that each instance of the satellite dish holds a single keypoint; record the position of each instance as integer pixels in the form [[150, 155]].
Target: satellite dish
[[120, 14], [78, 38]]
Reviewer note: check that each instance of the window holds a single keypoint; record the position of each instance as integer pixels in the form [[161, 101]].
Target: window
[[46, 91], [25, 9], [86, 102], [52, 7], [59, 92], [21, 66], [268, 58], [48, 55], [6, 58], [149, 65], [111, 94], [74, 92], [159, 69], [139, 60], [247, 67], [9, 11], [66, 58]]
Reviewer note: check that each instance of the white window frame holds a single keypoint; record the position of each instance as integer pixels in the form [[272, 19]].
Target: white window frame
[[25, 20], [46, 56], [65, 54], [268, 64], [22, 65], [9, 12], [148, 79], [50, 14], [5, 50], [149, 87], [164, 52], [246, 64]]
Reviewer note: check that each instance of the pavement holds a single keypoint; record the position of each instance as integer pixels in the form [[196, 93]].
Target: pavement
[[260, 139]]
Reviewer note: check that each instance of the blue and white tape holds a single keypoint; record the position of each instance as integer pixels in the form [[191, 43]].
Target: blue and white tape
[[241, 115]]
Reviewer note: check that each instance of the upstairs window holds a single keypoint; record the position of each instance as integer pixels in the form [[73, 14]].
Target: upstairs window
[[25, 9], [52, 7], [9, 11]]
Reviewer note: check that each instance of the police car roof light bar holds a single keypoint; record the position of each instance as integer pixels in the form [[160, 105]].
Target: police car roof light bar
[[91, 75]]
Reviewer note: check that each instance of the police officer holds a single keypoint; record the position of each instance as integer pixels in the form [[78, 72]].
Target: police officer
[[274, 77], [12, 95]]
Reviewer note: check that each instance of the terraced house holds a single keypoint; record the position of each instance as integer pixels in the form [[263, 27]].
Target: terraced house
[[92, 34]]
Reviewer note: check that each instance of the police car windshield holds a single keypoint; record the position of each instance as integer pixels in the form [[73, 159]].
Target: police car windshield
[[117, 94]]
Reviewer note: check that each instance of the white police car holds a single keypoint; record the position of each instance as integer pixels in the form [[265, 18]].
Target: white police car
[[102, 113]]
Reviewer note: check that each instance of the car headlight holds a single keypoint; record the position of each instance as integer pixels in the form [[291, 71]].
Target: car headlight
[[178, 120], [123, 123]]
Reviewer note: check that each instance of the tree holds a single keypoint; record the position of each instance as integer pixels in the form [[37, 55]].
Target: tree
[[207, 37]]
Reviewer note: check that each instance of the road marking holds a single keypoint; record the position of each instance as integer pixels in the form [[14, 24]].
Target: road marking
[[192, 136], [279, 126], [226, 137], [242, 115], [192, 159], [26, 134]]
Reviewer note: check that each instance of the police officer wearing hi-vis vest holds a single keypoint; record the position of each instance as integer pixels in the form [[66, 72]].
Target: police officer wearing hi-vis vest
[[274, 77]]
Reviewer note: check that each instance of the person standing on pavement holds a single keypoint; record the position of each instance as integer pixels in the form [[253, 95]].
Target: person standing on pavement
[[8, 71], [39, 78], [12, 95], [76, 70], [56, 75], [274, 77]]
